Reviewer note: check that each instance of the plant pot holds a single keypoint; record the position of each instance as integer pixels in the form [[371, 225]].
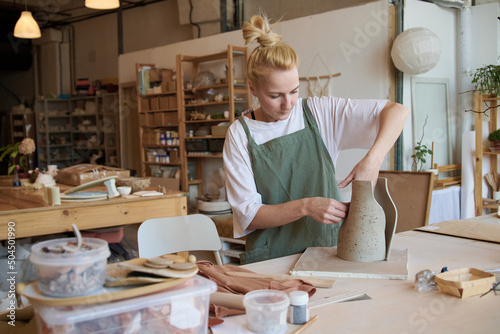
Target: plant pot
[[495, 146]]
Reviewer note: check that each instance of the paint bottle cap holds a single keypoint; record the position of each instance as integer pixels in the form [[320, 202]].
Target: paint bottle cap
[[299, 298]]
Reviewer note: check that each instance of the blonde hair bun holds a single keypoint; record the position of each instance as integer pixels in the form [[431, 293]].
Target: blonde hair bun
[[271, 54], [258, 29]]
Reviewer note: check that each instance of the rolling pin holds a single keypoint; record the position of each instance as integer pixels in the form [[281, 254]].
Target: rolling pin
[[227, 300], [317, 282]]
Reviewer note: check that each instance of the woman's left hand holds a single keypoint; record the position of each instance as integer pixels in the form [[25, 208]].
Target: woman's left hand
[[367, 169]]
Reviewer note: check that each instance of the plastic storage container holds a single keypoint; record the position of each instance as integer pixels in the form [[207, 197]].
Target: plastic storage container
[[70, 274], [181, 309], [266, 311]]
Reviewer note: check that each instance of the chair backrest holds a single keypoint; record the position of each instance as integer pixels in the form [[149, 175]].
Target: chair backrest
[[160, 236], [452, 177]]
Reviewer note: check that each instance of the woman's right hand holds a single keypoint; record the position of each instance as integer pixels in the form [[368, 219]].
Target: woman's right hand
[[326, 210]]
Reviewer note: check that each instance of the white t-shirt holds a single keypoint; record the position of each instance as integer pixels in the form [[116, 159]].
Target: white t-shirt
[[343, 124]]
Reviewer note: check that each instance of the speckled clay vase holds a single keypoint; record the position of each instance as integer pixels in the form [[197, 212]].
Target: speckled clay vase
[[362, 234]]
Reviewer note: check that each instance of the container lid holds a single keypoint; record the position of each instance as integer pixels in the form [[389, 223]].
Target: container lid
[[266, 300], [100, 250], [195, 287], [298, 297]]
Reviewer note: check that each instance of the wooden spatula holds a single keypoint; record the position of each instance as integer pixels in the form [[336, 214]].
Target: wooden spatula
[[317, 282]]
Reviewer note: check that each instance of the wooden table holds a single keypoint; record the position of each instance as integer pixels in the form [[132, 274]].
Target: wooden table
[[33, 217], [395, 306]]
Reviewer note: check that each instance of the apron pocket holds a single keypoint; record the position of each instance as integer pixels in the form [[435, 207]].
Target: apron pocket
[[255, 255]]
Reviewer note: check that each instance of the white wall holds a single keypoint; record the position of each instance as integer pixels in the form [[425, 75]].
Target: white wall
[[353, 41], [96, 40], [443, 22], [485, 44], [486, 50]]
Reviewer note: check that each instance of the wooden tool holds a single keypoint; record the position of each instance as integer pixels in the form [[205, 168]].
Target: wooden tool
[[317, 282], [307, 324], [74, 194], [228, 300], [166, 272]]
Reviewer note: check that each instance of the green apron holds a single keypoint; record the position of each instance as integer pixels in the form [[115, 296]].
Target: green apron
[[288, 168]]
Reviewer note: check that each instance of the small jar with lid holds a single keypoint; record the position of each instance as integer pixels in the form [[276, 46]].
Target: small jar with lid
[[298, 311]]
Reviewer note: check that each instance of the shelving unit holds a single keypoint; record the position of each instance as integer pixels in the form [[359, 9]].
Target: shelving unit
[[22, 126], [482, 100], [160, 146], [76, 130], [202, 138]]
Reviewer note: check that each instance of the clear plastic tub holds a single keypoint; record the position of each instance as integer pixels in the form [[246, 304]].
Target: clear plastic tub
[[181, 309], [266, 311], [70, 274]]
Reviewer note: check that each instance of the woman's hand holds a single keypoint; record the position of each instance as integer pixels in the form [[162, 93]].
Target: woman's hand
[[392, 120], [326, 210], [367, 170], [323, 210]]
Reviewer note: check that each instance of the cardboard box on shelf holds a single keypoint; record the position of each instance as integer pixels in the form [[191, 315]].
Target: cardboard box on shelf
[[144, 104], [154, 104], [166, 79], [163, 102], [168, 182], [172, 102], [219, 130]]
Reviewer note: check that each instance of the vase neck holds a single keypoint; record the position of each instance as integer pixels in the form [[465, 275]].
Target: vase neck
[[361, 190]]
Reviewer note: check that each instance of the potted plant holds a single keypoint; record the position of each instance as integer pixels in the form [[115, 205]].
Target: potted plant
[[18, 155], [419, 157], [486, 79], [494, 139], [421, 151]]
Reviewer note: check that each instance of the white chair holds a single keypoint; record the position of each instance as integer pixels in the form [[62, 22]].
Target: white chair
[[160, 236]]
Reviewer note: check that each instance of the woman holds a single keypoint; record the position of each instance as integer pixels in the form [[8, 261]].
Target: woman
[[279, 159]]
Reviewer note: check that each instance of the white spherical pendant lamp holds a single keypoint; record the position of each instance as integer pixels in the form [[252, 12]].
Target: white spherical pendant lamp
[[416, 51]]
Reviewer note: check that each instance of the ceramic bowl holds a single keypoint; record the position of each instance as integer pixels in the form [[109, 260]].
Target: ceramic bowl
[[124, 191]]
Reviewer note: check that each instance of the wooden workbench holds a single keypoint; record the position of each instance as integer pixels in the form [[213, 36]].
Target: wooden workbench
[[395, 306], [33, 217]]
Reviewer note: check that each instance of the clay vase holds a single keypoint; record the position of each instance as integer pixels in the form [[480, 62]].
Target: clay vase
[[383, 197], [361, 236]]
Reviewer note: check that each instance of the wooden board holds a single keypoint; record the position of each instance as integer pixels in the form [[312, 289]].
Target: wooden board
[[466, 229], [89, 185], [411, 193], [33, 217], [104, 295], [110, 293], [324, 262]]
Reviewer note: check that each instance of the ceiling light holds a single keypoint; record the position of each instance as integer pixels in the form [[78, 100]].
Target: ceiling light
[[26, 26], [102, 4]]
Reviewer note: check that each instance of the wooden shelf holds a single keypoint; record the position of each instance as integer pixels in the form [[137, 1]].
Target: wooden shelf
[[197, 181], [205, 137], [217, 120], [145, 96], [204, 156], [162, 163], [189, 67], [57, 113], [480, 100]]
